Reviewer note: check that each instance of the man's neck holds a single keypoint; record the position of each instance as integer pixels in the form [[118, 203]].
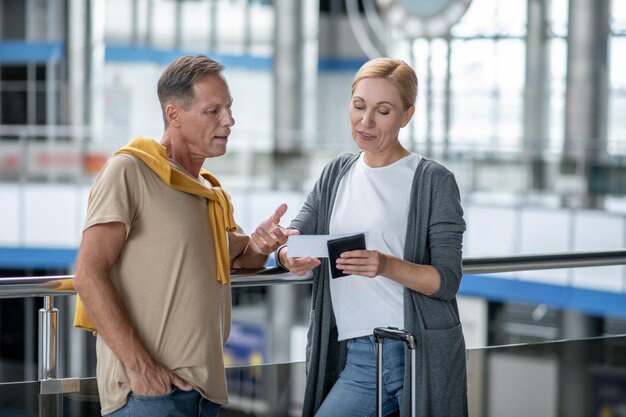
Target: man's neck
[[182, 156]]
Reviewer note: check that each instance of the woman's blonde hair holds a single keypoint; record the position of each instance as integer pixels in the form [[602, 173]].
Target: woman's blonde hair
[[396, 71]]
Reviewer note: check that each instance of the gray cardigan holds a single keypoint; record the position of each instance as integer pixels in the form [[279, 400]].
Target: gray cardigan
[[434, 236]]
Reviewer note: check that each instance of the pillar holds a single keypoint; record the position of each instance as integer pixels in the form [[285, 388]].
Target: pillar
[[586, 101]]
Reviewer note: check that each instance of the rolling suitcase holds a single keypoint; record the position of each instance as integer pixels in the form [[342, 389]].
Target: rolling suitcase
[[381, 333]]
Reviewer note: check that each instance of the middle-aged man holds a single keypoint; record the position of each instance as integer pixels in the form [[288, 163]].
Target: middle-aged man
[[157, 246]]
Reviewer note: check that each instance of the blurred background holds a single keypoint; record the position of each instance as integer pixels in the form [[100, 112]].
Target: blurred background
[[524, 100]]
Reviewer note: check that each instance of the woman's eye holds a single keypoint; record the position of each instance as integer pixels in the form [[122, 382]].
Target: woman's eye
[[384, 112]]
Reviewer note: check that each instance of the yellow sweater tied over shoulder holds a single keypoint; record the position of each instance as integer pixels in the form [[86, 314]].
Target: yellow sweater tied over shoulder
[[220, 209]]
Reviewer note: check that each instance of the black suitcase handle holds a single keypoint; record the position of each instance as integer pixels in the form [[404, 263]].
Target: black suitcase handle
[[394, 333]]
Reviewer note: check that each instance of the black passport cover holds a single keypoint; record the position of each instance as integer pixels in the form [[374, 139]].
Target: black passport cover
[[343, 244]]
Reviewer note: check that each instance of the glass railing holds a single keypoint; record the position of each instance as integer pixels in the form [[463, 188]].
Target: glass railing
[[262, 390], [568, 378], [584, 377]]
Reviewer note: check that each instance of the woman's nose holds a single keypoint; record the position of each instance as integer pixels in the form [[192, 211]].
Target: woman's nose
[[367, 120]]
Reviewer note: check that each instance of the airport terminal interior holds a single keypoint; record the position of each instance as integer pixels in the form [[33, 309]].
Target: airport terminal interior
[[523, 100]]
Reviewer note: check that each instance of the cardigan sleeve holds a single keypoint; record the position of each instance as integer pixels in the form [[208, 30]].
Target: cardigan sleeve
[[307, 218], [445, 235], [313, 217]]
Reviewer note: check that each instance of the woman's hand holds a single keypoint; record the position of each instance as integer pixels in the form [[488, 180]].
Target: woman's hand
[[297, 266], [367, 263], [371, 263]]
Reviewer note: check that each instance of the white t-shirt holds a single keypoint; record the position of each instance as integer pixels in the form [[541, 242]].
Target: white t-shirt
[[376, 201]]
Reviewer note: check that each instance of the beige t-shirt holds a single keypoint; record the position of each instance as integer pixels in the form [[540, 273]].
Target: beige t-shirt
[[166, 278]]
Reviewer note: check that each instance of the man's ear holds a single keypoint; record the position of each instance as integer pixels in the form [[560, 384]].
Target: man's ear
[[408, 115], [172, 114]]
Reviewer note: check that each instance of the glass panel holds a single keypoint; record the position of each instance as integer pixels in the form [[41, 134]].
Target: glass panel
[[471, 122], [13, 20], [18, 339], [195, 27], [439, 63], [510, 64], [617, 75], [558, 71], [14, 105], [253, 338], [617, 123], [540, 379], [508, 116], [230, 27], [489, 17], [559, 16], [516, 380], [119, 21], [424, 77], [438, 117], [617, 97], [163, 24], [618, 15], [20, 399], [511, 17], [253, 391], [261, 28], [473, 66], [430, 66]]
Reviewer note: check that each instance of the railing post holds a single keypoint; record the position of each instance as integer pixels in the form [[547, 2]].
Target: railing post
[[48, 339]]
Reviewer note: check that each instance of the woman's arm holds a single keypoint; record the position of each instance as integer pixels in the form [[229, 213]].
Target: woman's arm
[[441, 277], [370, 263]]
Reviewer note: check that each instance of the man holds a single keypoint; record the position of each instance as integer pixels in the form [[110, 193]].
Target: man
[[158, 242]]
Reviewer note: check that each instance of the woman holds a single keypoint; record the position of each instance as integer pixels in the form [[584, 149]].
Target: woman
[[409, 275]]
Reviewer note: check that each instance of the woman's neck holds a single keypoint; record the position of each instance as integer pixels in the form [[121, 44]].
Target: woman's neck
[[382, 159]]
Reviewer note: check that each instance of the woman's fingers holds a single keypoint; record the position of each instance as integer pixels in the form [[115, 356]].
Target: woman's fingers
[[360, 262], [301, 266]]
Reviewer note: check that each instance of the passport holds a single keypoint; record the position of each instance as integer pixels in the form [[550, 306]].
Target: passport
[[343, 244]]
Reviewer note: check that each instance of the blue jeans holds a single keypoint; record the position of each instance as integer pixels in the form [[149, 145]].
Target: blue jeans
[[354, 393], [175, 404]]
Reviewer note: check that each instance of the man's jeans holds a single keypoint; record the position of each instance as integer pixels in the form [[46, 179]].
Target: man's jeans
[[354, 393], [175, 404]]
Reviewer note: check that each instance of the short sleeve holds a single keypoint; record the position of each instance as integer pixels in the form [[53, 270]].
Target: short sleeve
[[115, 195], [237, 242]]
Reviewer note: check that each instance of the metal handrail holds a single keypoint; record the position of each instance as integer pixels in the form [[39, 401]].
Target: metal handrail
[[21, 287], [538, 262], [18, 287], [51, 286]]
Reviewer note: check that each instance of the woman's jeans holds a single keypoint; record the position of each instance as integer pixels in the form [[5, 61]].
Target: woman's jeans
[[175, 404], [354, 393]]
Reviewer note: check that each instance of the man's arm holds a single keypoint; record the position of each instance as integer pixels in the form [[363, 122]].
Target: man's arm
[[99, 249]]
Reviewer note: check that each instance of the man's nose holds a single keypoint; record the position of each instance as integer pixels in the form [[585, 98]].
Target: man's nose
[[228, 120]]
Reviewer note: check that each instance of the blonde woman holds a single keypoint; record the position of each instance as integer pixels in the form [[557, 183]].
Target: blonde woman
[[407, 277]]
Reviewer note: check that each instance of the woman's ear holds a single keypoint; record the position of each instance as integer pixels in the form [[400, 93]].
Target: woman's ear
[[407, 116]]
